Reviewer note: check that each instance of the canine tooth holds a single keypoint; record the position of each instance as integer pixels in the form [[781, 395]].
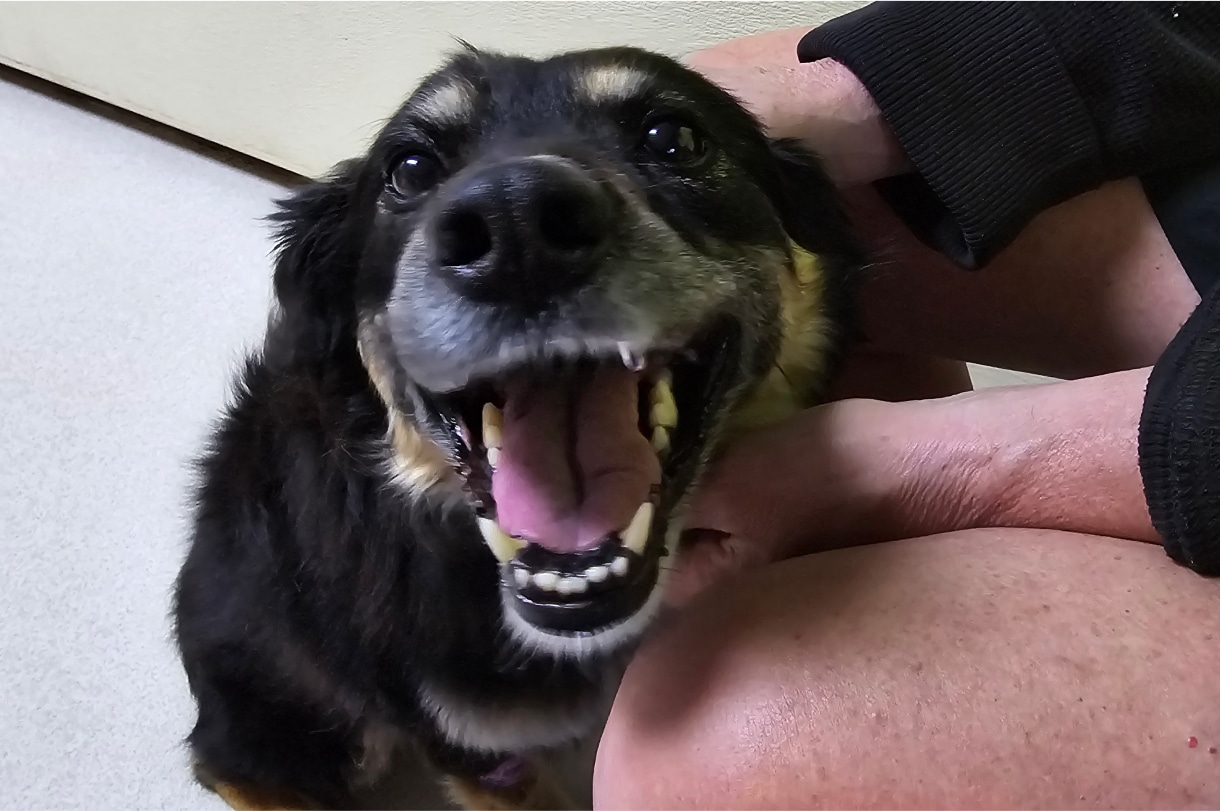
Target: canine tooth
[[660, 440], [572, 585], [547, 581], [493, 426], [597, 574], [619, 566], [523, 577], [493, 457], [624, 352], [664, 411], [504, 546], [633, 361], [635, 537]]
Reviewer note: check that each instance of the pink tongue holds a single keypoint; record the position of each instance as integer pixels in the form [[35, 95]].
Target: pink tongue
[[573, 466]]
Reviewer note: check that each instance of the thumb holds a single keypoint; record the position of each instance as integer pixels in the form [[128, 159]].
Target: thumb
[[707, 557]]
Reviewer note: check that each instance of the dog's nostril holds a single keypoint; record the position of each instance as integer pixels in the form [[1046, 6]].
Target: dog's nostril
[[462, 238], [573, 222]]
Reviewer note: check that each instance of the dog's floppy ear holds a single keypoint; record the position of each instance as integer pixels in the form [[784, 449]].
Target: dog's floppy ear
[[317, 250], [808, 203]]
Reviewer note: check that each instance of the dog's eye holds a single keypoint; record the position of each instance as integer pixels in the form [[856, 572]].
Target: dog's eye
[[415, 173], [674, 141]]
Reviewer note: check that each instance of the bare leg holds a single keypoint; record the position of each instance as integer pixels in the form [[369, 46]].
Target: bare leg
[[1090, 286], [992, 668]]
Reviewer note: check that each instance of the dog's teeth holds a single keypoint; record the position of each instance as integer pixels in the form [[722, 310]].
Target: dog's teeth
[[547, 581], [493, 426], [619, 566], [664, 411], [522, 576], [493, 457], [635, 537], [633, 361], [572, 585], [660, 440], [504, 546], [597, 574]]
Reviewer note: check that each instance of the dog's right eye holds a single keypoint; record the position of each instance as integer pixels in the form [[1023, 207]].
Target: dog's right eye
[[414, 173], [674, 140]]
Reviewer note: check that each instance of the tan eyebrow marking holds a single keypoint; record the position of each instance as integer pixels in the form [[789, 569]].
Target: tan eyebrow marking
[[451, 103], [611, 83]]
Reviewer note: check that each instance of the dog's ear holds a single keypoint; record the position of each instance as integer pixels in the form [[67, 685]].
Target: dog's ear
[[317, 249], [808, 203]]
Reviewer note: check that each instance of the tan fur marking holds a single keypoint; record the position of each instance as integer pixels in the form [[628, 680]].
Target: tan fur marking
[[611, 83], [799, 366], [453, 102], [244, 799], [418, 464]]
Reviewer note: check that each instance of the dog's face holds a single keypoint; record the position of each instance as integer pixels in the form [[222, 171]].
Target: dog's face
[[567, 279]]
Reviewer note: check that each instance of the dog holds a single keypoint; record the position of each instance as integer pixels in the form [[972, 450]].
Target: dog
[[439, 509]]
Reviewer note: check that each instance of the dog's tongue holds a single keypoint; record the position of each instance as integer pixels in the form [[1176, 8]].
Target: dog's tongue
[[573, 464]]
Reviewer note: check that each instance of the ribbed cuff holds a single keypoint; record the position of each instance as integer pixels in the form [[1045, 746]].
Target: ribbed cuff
[[982, 105], [1179, 441]]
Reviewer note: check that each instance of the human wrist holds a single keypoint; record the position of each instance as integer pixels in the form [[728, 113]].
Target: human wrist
[[1060, 456], [899, 471], [847, 127], [943, 474]]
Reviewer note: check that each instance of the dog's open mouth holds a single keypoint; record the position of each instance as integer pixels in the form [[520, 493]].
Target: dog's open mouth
[[576, 464]]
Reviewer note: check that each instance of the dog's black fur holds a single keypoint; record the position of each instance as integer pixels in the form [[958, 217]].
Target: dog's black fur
[[315, 596]]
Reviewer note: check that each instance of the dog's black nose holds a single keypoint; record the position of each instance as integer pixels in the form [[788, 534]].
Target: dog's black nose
[[524, 230]]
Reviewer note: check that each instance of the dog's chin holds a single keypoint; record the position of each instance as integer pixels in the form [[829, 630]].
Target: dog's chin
[[597, 629], [606, 620]]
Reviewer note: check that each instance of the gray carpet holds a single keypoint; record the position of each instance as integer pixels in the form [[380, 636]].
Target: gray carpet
[[133, 271]]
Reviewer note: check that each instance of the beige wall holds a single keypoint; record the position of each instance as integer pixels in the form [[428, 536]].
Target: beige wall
[[304, 84]]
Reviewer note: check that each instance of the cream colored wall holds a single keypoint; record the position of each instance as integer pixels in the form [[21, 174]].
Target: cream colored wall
[[304, 84]]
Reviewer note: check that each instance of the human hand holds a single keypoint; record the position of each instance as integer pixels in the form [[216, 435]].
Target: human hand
[[821, 103], [847, 473], [1061, 456]]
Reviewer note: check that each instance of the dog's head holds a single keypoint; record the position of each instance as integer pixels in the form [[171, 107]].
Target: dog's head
[[567, 279]]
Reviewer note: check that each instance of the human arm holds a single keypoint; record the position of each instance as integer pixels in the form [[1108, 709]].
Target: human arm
[[1109, 455], [1006, 109]]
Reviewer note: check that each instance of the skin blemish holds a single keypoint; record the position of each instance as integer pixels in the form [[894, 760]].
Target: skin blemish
[[1192, 742], [1211, 750]]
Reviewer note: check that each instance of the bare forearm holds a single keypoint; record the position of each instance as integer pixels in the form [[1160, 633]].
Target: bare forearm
[[1057, 456], [1060, 456]]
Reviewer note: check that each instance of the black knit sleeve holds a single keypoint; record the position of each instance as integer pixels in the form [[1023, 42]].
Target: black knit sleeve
[[1179, 441], [1006, 109]]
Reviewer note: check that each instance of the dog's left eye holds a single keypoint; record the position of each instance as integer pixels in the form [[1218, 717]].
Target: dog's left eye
[[674, 141], [415, 173]]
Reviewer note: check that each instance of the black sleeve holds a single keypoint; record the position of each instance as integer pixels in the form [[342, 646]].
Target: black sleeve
[[1179, 441], [1006, 109]]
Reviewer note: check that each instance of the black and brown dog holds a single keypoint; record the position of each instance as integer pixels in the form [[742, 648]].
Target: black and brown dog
[[506, 342]]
